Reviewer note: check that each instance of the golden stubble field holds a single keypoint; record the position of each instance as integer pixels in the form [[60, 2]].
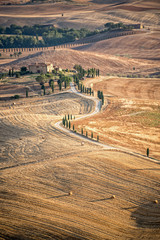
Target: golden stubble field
[[131, 115], [51, 185], [41, 165]]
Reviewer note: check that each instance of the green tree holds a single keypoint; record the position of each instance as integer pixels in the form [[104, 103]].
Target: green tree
[[82, 131], [91, 134], [52, 86], [69, 124], [10, 73], [44, 90], [147, 152], [63, 121], [66, 123], [73, 127], [17, 75], [26, 93], [97, 138]]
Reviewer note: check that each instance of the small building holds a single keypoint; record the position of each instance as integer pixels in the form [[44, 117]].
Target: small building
[[41, 68]]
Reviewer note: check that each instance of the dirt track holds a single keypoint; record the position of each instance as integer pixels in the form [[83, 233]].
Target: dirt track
[[40, 165]]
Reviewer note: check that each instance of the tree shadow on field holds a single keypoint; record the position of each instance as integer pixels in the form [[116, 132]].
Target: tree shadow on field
[[60, 196], [100, 200], [147, 216]]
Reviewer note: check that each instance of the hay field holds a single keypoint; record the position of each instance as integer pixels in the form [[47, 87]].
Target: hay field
[[132, 117], [40, 165], [51, 185]]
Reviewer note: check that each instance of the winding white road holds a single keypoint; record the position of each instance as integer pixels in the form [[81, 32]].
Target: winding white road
[[97, 109], [105, 146]]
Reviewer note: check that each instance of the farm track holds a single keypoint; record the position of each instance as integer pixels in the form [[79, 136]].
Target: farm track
[[42, 167]]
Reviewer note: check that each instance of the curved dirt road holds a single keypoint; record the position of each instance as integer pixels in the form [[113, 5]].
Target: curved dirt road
[[96, 110]]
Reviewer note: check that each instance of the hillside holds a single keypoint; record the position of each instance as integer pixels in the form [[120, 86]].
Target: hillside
[[145, 46], [81, 14], [67, 58]]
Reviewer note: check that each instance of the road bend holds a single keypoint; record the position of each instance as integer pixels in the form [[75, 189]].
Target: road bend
[[85, 139]]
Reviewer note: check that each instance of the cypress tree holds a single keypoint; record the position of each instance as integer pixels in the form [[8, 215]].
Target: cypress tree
[[97, 138], [69, 124], [10, 73], [102, 99], [82, 131], [66, 124], [147, 152], [52, 86], [83, 88], [44, 90], [91, 134], [68, 116], [90, 91], [71, 116], [73, 127], [26, 93], [63, 121], [65, 118]]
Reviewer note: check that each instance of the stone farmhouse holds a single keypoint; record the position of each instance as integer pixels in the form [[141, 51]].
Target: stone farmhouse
[[41, 68]]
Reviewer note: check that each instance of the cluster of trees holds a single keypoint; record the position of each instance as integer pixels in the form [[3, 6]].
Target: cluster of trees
[[62, 80], [49, 36], [92, 72], [114, 26], [20, 42]]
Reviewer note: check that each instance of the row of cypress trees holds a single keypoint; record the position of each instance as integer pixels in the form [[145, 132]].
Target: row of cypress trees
[[67, 123]]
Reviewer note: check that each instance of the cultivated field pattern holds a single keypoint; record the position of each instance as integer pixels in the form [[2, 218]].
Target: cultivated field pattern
[[55, 184]]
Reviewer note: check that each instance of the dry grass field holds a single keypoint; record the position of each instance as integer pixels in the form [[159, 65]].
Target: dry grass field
[[40, 165], [51, 185], [132, 118]]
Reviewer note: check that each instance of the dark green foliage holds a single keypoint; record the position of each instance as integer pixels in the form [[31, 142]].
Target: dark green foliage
[[16, 97], [44, 90], [91, 134], [17, 75], [26, 93], [10, 73], [113, 26], [69, 124], [66, 123], [73, 127], [147, 152], [50, 36], [86, 134], [68, 116], [65, 118], [63, 121], [60, 85], [97, 138], [71, 116], [23, 69], [82, 131]]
